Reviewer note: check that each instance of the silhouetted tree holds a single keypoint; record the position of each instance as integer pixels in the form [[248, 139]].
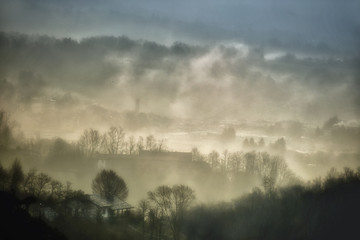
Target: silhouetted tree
[[109, 185], [16, 176], [90, 141], [140, 144], [144, 207], [173, 203], [228, 134], [114, 139], [261, 143], [150, 143], [161, 146], [131, 145], [4, 178], [196, 155], [5, 129], [213, 159], [279, 145]]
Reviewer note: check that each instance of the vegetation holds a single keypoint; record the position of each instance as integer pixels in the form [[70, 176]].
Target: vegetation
[[323, 209], [109, 185], [281, 206]]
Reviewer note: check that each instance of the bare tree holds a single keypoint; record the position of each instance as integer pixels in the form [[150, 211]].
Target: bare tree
[[131, 145], [29, 184], [140, 144], [224, 160], [113, 140], [150, 142], [213, 159], [196, 155], [144, 207], [109, 185], [173, 203], [42, 183], [161, 146], [90, 141], [16, 176], [56, 189]]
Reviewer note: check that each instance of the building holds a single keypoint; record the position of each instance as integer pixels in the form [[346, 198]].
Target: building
[[95, 206], [109, 208]]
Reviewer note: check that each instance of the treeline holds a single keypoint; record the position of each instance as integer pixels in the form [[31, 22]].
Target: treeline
[[36, 186], [39, 60], [323, 209], [114, 141], [59, 152], [42, 201], [336, 131], [34, 205], [26, 198], [271, 170]]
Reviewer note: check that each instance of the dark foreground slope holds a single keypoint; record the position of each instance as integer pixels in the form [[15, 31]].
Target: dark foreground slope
[[16, 223], [327, 209]]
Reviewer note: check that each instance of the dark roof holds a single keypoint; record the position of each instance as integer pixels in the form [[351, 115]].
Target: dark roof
[[116, 204]]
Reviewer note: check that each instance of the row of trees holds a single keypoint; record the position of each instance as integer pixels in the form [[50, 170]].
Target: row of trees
[[271, 169], [278, 146], [114, 141], [161, 214], [34, 184], [323, 209]]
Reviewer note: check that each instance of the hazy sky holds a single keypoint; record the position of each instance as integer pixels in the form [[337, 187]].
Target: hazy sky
[[226, 42], [294, 23]]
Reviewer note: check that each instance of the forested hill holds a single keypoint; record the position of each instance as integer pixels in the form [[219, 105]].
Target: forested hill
[[326, 209]]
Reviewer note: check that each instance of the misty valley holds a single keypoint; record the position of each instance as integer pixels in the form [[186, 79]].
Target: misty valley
[[115, 138]]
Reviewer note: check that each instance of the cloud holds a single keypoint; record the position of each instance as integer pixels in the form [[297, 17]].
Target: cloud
[[323, 25], [224, 80]]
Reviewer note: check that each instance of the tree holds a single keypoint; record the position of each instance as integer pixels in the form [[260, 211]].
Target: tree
[[16, 176], [90, 141], [246, 143], [279, 145], [196, 155], [261, 143], [108, 184], [161, 146], [29, 184], [213, 159], [4, 178], [228, 134], [42, 184], [113, 140], [140, 144], [173, 203], [5, 129], [150, 143], [131, 145], [144, 207]]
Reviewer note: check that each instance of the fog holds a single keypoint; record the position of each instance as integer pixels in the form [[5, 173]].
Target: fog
[[185, 94], [229, 108]]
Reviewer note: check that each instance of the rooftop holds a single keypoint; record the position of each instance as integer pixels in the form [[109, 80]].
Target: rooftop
[[116, 204]]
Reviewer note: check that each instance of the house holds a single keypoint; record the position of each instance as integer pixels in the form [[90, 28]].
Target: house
[[109, 208], [42, 210], [94, 206]]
